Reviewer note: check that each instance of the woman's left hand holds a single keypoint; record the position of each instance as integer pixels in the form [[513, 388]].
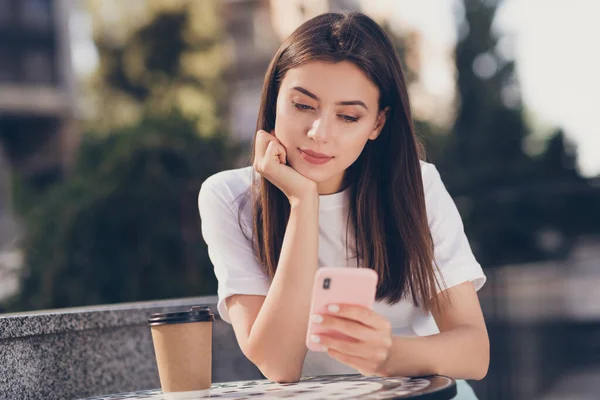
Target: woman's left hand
[[369, 342]]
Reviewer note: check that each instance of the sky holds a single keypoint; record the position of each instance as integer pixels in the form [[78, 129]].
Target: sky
[[554, 42]]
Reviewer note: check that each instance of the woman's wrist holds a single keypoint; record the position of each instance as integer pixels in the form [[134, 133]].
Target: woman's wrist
[[309, 198], [407, 358]]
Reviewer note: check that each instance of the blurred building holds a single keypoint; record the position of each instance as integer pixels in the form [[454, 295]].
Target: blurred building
[[287, 15], [256, 28], [36, 86], [251, 43], [37, 130]]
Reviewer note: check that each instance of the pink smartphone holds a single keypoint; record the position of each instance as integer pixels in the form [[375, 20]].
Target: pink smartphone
[[339, 285]]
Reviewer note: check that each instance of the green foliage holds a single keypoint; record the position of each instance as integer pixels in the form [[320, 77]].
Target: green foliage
[[124, 226], [168, 61]]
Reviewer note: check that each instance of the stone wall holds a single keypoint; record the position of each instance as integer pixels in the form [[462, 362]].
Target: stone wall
[[82, 352]]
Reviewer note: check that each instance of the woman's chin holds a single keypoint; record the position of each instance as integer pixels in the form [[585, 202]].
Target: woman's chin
[[311, 173]]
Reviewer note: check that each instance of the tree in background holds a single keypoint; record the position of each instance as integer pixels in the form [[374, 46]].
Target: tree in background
[[154, 55], [407, 45], [510, 200], [124, 225]]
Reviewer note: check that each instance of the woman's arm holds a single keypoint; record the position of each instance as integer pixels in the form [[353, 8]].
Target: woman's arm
[[271, 330], [461, 350]]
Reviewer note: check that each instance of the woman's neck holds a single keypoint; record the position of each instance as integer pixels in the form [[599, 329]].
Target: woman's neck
[[333, 185]]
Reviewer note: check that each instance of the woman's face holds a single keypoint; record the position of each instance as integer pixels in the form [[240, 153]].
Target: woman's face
[[325, 114]]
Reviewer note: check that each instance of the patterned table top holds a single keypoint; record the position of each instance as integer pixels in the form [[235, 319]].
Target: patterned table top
[[331, 387]]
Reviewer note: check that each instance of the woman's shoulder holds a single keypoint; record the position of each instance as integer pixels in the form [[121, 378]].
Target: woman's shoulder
[[234, 181], [440, 205], [430, 175], [227, 187]]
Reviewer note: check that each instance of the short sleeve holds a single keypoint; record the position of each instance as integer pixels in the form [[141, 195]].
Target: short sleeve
[[235, 266], [452, 252]]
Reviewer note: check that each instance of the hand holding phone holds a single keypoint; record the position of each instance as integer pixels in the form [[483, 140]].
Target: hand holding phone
[[339, 285]]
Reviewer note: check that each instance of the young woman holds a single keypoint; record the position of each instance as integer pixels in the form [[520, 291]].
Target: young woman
[[337, 180]]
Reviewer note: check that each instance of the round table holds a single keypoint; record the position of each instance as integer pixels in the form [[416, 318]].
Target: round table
[[328, 387]]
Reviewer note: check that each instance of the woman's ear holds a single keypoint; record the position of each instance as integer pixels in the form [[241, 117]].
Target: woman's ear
[[380, 123]]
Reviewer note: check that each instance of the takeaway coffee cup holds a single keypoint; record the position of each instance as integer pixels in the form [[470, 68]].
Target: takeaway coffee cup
[[183, 345]]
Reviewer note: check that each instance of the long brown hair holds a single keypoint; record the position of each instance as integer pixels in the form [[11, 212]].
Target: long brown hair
[[387, 213]]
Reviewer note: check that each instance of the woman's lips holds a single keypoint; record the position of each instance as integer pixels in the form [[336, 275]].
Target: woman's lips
[[315, 158]]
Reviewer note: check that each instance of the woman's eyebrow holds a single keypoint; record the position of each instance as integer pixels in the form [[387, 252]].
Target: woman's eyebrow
[[341, 103]]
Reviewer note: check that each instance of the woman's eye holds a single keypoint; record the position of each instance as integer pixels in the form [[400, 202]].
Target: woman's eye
[[348, 118], [302, 107]]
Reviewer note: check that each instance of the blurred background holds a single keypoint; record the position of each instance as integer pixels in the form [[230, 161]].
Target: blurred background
[[112, 113]]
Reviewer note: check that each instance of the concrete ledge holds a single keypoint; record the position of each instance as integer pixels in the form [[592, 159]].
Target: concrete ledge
[[89, 351], [95, 317]]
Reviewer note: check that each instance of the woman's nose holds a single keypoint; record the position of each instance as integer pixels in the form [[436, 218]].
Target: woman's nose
[[320, 131]]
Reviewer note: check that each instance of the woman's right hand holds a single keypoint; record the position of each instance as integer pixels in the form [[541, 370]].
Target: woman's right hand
[[270, 161]]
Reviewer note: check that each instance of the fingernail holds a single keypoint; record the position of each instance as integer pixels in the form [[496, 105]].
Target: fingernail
[[315, 338], [316, 319], [333, 308]]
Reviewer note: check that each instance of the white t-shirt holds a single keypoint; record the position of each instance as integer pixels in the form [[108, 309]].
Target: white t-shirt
[[238, 270]]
